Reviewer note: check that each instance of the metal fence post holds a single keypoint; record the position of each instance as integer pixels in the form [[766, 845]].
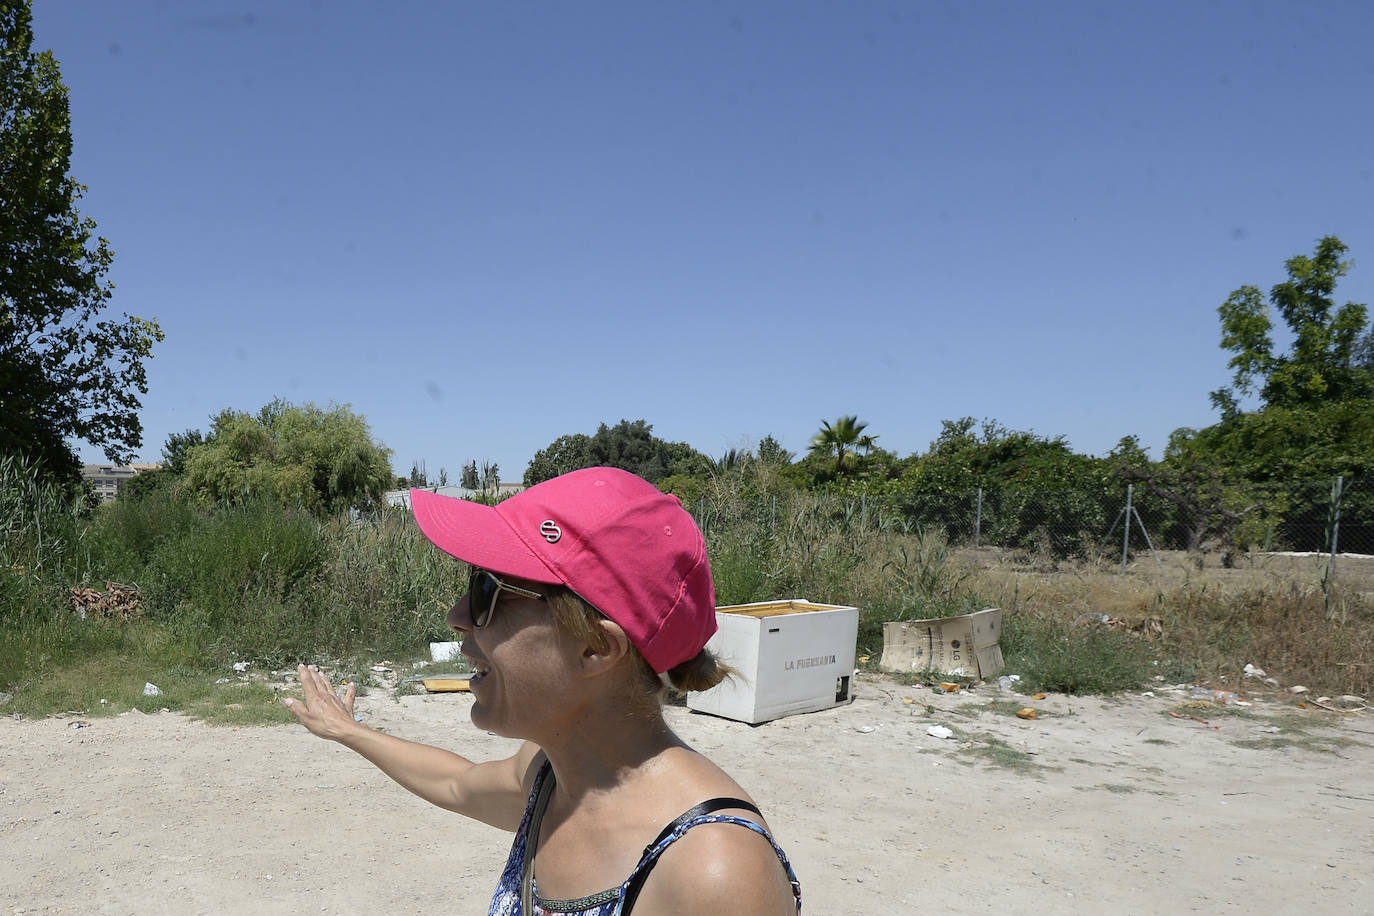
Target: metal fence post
[[978, 521], [1336, 492], [1126, 529]]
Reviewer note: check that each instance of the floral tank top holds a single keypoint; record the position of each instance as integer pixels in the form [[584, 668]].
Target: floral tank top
[[506, 900]]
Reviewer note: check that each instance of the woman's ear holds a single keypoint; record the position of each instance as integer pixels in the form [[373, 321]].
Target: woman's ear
[[596, 661]]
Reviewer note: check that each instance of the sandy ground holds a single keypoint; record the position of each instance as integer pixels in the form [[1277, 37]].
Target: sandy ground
[[1115, 806]]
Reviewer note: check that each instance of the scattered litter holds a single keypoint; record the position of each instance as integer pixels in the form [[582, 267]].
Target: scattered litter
[[1007, 681], [863, 659], [1220, 697], [1323, 700], [1148, 693], [1256, 673], [381, 669], [1195, 719], [1091, 617], [241, 667], [1270, 729], [1297, 689], [949, 687], [1272, 681], [81, 725], [1039, 696], [1027, 712], [325, 785], [865, 729], [5, 698], [908, 699], [151, 690], [938, 689], [939, 731], [1350, 700], [103, 701], [224, 680], [117, 602]]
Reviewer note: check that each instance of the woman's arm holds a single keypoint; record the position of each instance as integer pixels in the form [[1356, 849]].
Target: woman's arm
[[493, 792]]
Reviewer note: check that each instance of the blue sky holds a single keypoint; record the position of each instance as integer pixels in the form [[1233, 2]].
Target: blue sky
[[485, 225]]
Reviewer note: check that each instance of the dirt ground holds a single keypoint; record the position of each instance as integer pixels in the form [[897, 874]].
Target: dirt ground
[[1098, 805]]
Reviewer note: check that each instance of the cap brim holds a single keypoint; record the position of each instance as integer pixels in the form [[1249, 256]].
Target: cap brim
[[477, 535]]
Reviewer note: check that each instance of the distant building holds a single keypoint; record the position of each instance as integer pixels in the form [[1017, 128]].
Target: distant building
[[106, 479], [402, 497]]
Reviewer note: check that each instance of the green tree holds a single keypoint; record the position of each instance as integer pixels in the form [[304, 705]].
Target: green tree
[[470, 480], [844, 440], [65, 373], [564, 454], [419, 475], [491, 478], [323, 460], [770, 451], [1328, 360], [175, 449], [629, 446]]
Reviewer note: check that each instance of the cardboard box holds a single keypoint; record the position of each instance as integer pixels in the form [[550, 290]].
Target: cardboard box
[[792, 657], [967, 645]]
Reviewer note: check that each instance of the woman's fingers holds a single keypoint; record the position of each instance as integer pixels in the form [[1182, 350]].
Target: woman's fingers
[[321, 709]]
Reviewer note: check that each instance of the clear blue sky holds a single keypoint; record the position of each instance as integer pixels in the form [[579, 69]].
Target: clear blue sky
[[485, 225]]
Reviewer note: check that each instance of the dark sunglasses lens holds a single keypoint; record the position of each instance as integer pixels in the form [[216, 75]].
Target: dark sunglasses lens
[[481, 597]]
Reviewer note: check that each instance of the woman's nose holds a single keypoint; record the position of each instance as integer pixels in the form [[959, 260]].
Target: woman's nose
[[460, 616]]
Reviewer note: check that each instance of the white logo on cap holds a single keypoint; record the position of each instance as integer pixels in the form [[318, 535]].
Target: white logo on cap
[[550, 530]]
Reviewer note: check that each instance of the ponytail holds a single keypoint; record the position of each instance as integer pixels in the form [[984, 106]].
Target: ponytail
[[700, 672]]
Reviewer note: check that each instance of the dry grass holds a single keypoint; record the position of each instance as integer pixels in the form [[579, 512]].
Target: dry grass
[[1284, 614]]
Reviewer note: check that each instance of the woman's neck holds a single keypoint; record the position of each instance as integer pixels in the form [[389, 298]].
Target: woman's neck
[[604, 750]]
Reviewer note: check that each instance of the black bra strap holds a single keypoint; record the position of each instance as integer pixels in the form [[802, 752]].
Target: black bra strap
[[709, 806]]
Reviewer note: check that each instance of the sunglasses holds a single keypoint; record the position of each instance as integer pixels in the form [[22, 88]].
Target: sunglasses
[[483, 591]]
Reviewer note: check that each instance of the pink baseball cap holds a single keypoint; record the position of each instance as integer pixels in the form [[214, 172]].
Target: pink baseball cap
[[615, 539]]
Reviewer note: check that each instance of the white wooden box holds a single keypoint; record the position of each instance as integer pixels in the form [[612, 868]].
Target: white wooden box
[[792, 657]]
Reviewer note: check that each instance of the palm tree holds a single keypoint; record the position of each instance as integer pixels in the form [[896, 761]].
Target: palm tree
[[842, 440]]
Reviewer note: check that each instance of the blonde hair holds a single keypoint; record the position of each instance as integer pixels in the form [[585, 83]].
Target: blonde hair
[[583, 622]]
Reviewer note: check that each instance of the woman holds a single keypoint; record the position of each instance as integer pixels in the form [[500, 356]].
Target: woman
[[589, 595]]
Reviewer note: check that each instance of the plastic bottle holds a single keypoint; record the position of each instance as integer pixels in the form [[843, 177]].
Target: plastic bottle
[[1220, 697]]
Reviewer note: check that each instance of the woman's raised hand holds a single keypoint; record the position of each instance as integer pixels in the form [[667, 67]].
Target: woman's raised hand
[[323, 711]]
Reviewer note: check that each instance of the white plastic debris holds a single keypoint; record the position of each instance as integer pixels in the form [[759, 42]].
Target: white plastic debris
[[241, 667], [1256, 673], [939, 731], [1272, 681], [444, 651], [151, 690], [1297, 689], [865, 729]]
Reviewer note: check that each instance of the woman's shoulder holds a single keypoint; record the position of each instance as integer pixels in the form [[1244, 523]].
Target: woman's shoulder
[[724, 863]]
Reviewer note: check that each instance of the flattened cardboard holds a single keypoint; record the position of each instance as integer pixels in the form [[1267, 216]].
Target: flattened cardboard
[[965, 646]]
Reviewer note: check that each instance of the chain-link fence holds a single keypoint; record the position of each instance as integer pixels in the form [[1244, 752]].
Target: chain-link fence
[[1213, 516]]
